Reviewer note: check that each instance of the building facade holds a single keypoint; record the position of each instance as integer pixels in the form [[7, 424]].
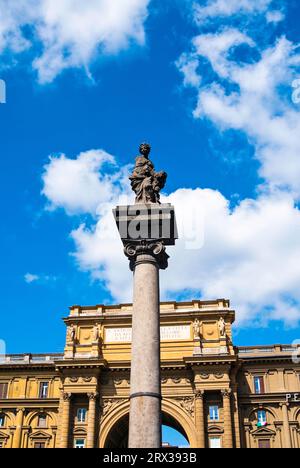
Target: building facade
[[215, 394]]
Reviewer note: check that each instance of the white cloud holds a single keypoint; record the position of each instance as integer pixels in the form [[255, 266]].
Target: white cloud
[[275, 16], [30, 278], [257, 106], [226, 8], [70, 33], [78, 185], [249, 254]]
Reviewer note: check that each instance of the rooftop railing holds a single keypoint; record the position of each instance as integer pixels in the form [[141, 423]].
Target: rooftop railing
[[29, 358], [274, 349]]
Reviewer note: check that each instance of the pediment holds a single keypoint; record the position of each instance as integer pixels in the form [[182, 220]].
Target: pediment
[[40, 435], [79, 431], [263, 431], [215, 430]]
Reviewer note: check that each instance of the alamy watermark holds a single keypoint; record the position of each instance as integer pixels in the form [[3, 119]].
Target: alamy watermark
[[296, 93], [2, 92]]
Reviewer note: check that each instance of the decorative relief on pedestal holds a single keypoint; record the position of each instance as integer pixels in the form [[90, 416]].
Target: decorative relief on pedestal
[[188, 403], [157, 250]]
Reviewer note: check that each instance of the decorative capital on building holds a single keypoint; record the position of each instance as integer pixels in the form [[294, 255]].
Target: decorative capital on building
[[92, 396], [226, 393], [67, 396], [199, 394], [143, 251]]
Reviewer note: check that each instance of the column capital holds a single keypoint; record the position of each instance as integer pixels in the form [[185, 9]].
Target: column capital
[[93, 396], [22, 410], [67, 396], [146, 252], [226, 393], [285, 403], [199, 394]]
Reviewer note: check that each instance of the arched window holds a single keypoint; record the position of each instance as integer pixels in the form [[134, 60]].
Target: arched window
[[81, 415], [2, 420]]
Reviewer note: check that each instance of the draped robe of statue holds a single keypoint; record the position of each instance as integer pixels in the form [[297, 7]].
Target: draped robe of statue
[[145, 182]]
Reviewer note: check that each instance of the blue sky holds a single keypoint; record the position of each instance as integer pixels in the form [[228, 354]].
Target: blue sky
[[209, 84]]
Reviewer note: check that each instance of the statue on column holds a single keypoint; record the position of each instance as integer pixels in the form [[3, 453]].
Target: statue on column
[[145, 182]]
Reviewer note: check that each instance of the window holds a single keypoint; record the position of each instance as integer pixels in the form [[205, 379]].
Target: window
[[215, 443], [81, 415], [259, 385], [79, 443], [214, 413], [262, 418], [44, 386], [39, 445], [2, 420], [3, 391], [42, 420], [264, 444]]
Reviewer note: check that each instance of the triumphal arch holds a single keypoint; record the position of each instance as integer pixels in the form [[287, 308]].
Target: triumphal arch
[[214, 394]]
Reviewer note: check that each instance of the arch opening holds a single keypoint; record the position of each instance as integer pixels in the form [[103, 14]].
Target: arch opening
[[173, 432]]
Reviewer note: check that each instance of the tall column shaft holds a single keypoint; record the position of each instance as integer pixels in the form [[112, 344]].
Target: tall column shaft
[[60, 411], [199, 416], [19, 423], [236, 418], [91, 421], [286, 426], [65, 421], [228, 440], [145, 402]]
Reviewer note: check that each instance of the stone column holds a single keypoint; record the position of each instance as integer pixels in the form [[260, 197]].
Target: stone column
[[145, 393], [19, 424], [65, 421], [286, 426], [60, 411], [200, 419], [90, 443], [236, 419], [228, 441]]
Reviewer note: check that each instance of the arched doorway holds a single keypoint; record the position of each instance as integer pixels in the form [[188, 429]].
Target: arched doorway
[[118, 435]]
